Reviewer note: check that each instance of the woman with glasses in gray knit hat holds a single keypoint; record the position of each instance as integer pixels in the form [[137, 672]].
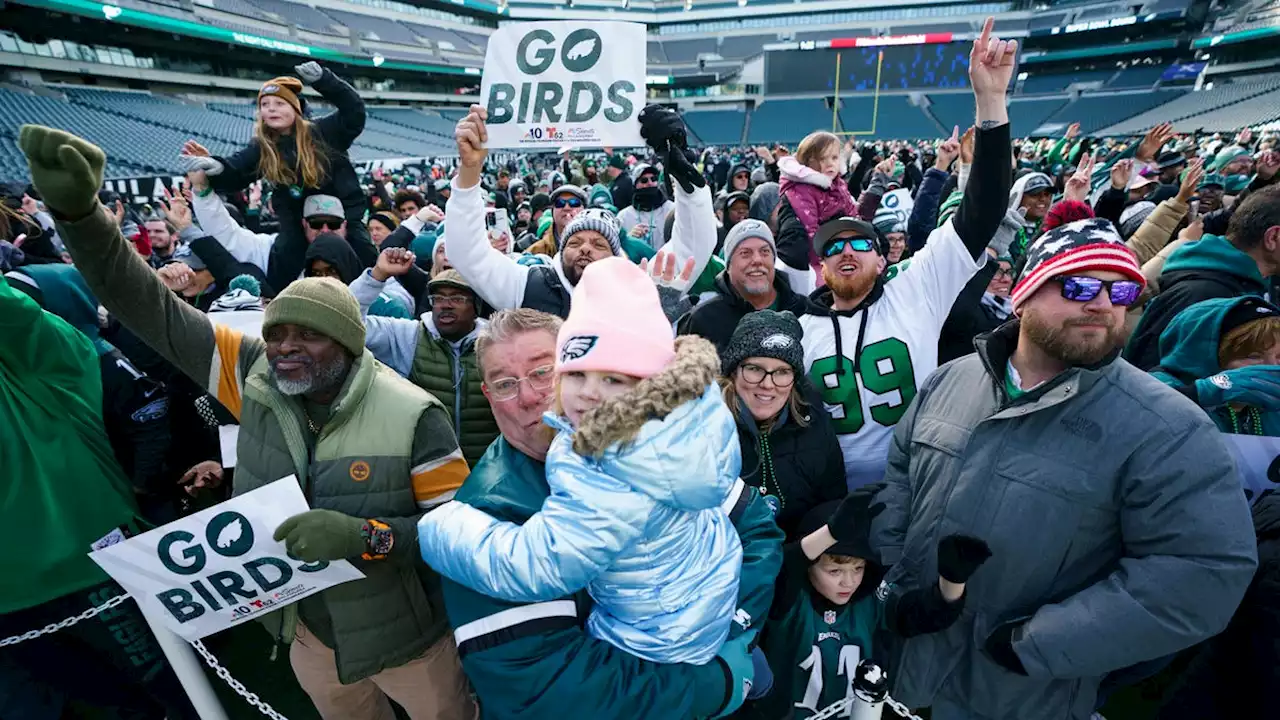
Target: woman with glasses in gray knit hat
[[789, 449]]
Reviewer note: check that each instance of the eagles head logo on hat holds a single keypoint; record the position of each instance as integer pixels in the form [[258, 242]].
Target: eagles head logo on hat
[[578, 346]]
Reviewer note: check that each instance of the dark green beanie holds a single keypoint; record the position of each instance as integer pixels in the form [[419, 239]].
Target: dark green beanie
[[322, 304], [765, 333]]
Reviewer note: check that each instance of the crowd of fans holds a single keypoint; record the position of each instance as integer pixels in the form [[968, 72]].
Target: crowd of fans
[[663, 433]]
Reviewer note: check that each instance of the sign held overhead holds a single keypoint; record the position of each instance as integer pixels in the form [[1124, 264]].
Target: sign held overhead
[[551, 84]]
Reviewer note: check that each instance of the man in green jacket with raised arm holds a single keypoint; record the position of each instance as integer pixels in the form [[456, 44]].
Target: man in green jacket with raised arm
[[371, 451]]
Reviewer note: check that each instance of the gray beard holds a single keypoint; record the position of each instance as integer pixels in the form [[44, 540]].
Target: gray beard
[[320, 377]]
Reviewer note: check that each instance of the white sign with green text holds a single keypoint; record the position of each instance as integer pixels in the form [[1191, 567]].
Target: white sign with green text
[[220, 567], [565, 83]]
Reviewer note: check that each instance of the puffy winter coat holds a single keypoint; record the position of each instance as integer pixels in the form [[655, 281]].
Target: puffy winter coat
[[1075, 485], [634, 516]]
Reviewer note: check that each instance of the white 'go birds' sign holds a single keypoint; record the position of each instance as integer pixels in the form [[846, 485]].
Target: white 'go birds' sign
[[552, 84], [220, 567]]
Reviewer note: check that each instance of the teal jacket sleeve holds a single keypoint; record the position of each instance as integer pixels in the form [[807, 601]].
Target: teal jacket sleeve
[[761, 557]]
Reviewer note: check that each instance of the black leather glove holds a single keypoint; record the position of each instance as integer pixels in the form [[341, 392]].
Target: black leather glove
[[999, 645], [855, 512], [959, 556], [662, 128], [680, 166]]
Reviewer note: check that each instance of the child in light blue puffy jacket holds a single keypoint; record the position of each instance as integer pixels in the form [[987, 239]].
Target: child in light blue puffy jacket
[[645, 460]]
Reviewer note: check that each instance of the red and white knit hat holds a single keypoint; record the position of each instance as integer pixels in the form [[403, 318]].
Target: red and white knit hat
[[1091, 244]]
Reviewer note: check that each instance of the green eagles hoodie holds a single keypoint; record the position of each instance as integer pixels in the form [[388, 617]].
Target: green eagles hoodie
[[1189, 352], [62, 487]]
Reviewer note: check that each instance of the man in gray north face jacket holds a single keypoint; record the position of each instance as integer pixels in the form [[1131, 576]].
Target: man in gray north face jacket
[[1118, 529]]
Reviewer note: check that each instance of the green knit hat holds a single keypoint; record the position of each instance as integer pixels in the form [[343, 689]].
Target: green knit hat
[[322, 304]]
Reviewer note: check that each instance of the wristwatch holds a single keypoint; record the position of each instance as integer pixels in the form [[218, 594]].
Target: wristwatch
[[378, 538]]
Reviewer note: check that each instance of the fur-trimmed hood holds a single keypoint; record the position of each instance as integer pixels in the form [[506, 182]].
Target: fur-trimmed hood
[[620, 419]]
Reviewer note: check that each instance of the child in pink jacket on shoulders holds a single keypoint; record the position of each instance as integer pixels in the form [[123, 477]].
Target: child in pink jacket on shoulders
[[812, 184]]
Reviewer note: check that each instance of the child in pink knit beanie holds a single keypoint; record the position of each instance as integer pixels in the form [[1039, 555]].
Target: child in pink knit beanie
[[646, 454]]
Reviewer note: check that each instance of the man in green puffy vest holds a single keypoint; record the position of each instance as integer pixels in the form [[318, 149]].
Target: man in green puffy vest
[[371, 452], [437, 352]]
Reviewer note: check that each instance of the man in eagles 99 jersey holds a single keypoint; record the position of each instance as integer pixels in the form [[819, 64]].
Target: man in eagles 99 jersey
[[871, 335]]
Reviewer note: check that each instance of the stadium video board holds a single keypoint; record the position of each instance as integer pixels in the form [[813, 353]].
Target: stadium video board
[[855, 69]]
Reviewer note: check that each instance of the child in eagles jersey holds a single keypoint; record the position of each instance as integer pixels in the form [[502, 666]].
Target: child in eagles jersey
[[646, 456], [826, 608]]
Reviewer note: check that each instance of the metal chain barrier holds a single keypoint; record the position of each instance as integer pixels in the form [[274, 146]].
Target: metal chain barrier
[[234, 684], [209, 659], [55, 627], [839, 706]]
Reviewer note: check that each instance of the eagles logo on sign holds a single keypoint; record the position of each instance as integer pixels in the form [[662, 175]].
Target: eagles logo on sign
[[577, 346]]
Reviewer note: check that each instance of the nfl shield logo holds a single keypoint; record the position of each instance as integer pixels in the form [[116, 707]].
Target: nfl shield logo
[[829, 617]]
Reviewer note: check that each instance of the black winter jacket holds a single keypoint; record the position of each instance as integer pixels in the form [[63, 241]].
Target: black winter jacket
[[716, 319], [924, 213], [792, 239], [795, 468], [969, 318], [1237, 673]]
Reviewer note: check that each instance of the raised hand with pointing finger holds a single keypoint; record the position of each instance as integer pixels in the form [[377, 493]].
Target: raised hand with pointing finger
[[991, 64], [948, 151]]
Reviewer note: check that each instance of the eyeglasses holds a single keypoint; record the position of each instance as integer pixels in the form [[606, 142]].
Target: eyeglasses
[[324, 224], [646, 181], [1003, 271], [568, 202], [835, 247], [783, 377], [540, 378], [449, 300], [1084, 289]]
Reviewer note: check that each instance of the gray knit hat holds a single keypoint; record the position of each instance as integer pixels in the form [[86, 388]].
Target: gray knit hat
[[602, 221], [765, 333], [1133, 217], [745, 230]]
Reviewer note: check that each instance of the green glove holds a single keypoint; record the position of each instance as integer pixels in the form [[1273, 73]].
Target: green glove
[[736, 655], [322, 535], [64, 168]]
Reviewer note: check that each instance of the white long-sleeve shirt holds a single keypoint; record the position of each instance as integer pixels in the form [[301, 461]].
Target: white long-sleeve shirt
[[501, 281]]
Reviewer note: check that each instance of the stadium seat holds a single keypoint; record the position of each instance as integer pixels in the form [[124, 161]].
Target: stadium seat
[[1187, 106], [896, 119], [716, 127], [787, 121], [1095, 112]]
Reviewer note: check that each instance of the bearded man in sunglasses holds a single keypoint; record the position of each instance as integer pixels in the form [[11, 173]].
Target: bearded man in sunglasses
[[1119, 532], [871, 335]]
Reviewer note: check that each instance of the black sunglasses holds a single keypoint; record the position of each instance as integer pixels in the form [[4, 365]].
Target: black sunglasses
[[324, 224], [571, 202], [1084, 289]]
